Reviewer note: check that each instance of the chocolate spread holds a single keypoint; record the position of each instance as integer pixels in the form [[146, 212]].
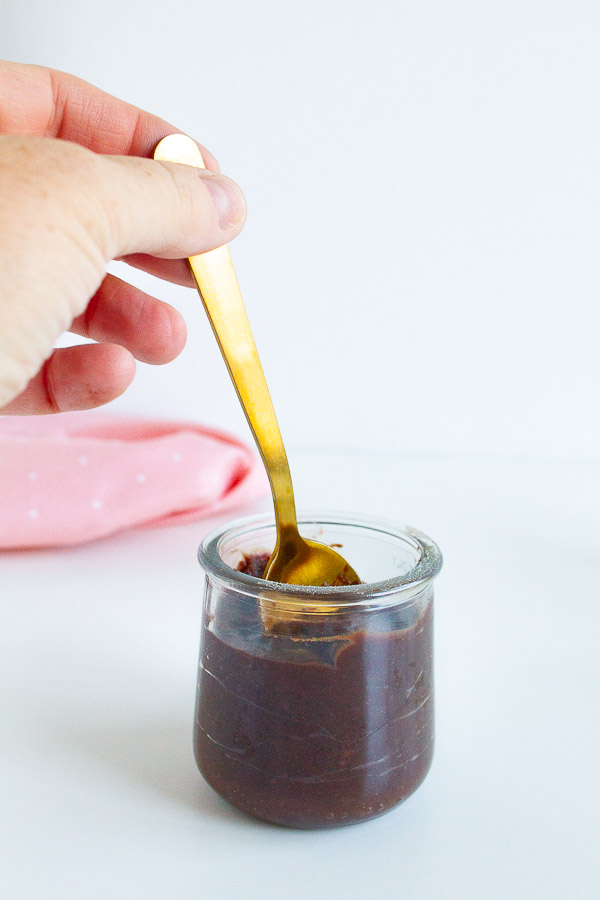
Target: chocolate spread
[[327, 724]]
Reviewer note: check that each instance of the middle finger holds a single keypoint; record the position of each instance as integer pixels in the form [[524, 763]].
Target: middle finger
[[119, 313]]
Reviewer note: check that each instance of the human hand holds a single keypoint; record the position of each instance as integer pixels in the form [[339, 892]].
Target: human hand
[[75, 193]]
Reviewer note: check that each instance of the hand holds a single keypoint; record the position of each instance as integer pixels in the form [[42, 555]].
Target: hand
[[75, 193]]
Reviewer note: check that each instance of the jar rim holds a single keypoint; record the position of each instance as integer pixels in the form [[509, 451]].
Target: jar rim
[[403, 587]]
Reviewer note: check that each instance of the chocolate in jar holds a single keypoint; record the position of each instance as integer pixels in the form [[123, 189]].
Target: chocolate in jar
[[319, 720]]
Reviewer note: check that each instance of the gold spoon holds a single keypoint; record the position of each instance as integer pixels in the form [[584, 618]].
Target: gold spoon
[[294, 559]]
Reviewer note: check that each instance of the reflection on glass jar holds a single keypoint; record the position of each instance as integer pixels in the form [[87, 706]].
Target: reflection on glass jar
[[315, 705]]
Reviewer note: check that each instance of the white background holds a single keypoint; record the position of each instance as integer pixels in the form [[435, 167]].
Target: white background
[[424, 202], [423, 190]]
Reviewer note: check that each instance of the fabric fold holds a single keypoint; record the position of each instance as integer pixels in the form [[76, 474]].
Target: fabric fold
[[75, 477]]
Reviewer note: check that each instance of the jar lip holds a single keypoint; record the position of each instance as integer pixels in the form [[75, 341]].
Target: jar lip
[[402, 586]]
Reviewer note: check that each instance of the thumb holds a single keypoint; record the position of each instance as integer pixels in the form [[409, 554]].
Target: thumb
[[66, 212], [166, 209]]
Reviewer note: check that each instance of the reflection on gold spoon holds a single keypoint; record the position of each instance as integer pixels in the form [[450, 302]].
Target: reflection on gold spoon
[[294, 559]]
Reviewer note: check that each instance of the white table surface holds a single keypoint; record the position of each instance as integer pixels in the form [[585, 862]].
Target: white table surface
[[100, 796]]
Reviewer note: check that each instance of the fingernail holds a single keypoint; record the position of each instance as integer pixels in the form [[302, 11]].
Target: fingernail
[[227, 198]]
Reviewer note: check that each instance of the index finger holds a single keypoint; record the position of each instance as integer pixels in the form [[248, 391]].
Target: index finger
[[39, 101]]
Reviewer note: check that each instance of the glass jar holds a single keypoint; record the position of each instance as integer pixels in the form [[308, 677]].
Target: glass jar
[[315, 705]]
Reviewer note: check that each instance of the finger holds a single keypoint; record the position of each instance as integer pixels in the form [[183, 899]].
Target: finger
[[166, 209], [177, 271], [75, 378], [119, 313], [36, 100]]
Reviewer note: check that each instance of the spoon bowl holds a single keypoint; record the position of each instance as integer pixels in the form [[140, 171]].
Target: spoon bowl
[[297, 560]]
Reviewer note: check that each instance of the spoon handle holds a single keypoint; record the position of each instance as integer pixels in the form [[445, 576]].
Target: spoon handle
[[218, 286], [220, 293]]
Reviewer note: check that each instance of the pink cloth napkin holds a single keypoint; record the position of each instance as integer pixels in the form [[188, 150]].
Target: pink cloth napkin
[[74, 477]]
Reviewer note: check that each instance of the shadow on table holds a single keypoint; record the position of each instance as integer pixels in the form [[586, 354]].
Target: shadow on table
[[157, 757]]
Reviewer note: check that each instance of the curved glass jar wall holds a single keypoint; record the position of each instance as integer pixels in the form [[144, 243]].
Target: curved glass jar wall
[[315, 705]]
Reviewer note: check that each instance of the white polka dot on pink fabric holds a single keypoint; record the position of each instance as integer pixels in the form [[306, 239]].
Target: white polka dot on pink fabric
[[123, 473]]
